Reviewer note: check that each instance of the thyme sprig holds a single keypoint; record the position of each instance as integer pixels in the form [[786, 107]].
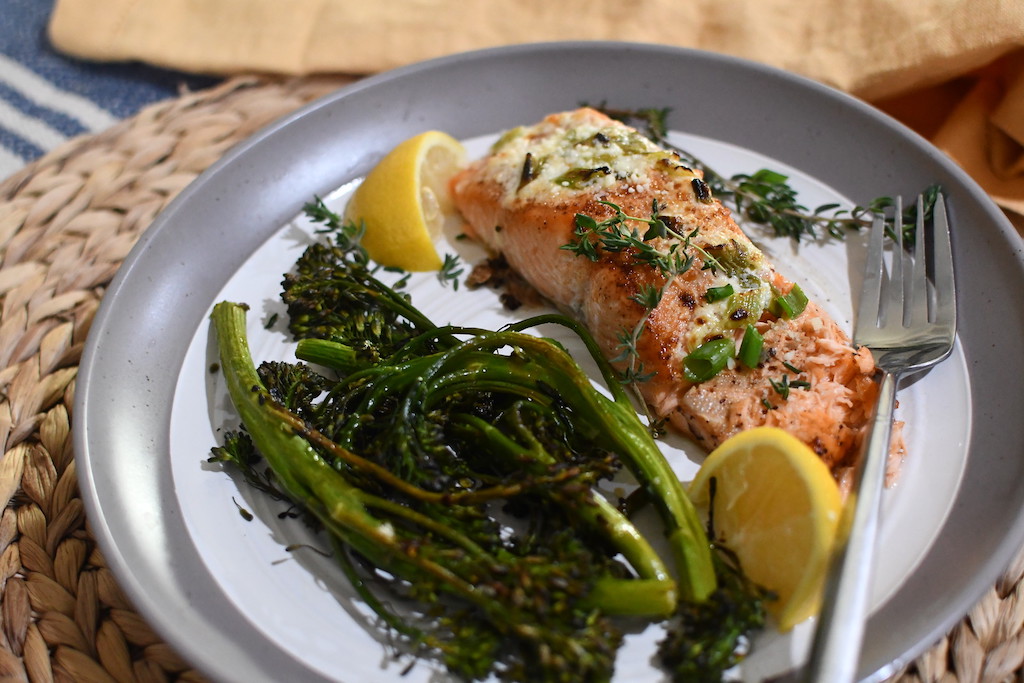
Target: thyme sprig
[[349, 236], [615, 235], [766, 197], [450, 272], [783, 385]]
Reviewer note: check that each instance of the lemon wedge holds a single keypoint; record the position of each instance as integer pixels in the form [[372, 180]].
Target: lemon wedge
[[404, 201], [776, 506]]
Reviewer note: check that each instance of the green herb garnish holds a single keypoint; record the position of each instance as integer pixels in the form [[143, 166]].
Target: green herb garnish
[[708, 359], [781, 387], [620, 234], [766, 197], [789, 305], [750, 348], [450, 272], [718, 293]]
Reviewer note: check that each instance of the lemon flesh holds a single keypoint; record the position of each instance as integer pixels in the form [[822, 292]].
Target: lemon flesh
[[404, 201], [776, 506]]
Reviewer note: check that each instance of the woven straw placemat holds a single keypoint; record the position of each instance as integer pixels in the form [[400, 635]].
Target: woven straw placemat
[[66, 223]]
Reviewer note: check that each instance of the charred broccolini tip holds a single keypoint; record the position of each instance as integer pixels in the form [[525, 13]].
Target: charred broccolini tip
[[709, 638]]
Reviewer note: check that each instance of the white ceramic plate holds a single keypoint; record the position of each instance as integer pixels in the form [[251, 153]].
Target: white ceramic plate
[[148, 411], [290, 599]]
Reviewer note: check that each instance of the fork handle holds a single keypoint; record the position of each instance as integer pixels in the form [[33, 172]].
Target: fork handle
[[835, 652]]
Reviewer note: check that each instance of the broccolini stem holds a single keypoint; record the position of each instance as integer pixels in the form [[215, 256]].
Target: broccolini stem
[[608, 373], [385, 476], [250, 398], [595, 511], [341, 554], [616, 423], [331, 354], [303, 474], [632, 597], [343, 508]]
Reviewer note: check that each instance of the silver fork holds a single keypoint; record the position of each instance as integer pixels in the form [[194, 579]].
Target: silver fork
[[909, 326]]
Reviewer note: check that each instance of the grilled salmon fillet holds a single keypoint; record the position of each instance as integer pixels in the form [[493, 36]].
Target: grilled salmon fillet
[[522, 201]]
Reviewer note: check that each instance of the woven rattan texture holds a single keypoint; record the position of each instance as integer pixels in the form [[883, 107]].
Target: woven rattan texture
[[66, 223]]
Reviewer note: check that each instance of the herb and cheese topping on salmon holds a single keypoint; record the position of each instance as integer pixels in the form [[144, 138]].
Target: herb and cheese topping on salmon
[[625, 237]]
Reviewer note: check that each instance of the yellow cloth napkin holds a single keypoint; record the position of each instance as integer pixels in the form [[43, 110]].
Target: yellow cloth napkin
[[952, 69]]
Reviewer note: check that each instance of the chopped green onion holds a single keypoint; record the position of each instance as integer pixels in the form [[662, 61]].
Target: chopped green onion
[[789, 305], [750, 347], [708, 359], [800, 384], [718, 293], [792, 368]]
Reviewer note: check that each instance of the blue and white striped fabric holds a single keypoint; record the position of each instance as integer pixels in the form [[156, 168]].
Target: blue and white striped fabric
[[47, 98]]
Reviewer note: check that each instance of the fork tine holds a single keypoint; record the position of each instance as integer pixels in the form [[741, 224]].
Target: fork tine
[[917, 301], [943, 277], [897, 284], [871, 291]]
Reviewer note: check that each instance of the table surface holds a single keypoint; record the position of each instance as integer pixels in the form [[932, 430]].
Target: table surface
[[47, 98]]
